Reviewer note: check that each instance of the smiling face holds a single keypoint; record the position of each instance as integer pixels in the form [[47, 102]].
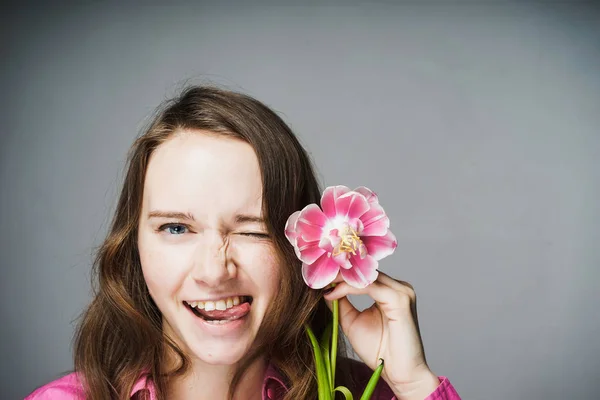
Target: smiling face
[[201, 240]]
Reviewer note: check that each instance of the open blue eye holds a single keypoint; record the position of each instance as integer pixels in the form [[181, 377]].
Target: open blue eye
[[174, 229]]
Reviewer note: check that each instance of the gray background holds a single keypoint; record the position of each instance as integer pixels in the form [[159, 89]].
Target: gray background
[[476, 122]]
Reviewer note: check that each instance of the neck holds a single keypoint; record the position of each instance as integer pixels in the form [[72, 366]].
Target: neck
[[207, 381]]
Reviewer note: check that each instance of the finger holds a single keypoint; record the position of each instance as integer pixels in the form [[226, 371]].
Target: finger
[[396, 284], [395, 304], [407, 288], [416, 317], [384, 295], [342, 289], [404, 287]]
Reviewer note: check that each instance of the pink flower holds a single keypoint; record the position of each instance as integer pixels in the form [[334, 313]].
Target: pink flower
[[350, 234]]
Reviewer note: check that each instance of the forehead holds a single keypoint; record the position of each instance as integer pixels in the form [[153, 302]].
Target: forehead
[[207, 174]]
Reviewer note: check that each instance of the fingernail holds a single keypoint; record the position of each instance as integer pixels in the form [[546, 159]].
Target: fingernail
[[328, 290]]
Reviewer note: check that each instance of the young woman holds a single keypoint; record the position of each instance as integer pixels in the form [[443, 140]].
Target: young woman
[[200, 295]]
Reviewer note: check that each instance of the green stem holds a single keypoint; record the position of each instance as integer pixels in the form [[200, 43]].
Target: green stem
[[372, 382], [334, 342], [325, 346], [324, 389]]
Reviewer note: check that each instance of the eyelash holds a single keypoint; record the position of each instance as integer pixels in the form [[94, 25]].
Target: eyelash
[[164, 228], [255, 234]]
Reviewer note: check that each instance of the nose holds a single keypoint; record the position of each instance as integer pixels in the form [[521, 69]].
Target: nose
[[211, 264]]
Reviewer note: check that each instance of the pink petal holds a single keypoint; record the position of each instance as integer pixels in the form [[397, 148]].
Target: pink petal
[[290, 228], [375, 221], [321, 273], [329, 241], [314, 215], [325, 244], [352, 205], [363, 272], [342, 260], [356, 224], [379, 247], [308, 252], [329, 197], [368, 193], [310, 223]]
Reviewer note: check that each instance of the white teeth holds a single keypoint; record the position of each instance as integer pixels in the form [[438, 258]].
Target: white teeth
[[221, 305], [218, 322], [217, 305]]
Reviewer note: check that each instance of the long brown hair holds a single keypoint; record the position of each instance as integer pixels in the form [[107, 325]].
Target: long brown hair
[[120, 334]]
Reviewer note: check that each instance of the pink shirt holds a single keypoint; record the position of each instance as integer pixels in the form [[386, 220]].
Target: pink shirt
[[69, 387]]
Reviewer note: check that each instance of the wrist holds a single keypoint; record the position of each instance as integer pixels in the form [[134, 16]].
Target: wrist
[[418, 389]]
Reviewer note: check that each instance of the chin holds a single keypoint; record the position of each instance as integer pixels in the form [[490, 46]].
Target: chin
[[219, 353]]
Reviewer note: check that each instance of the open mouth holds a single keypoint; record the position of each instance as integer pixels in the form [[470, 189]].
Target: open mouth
[[230, 311]]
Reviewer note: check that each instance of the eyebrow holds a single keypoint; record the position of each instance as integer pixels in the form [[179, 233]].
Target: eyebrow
[[239, 218], [248, 219], [171, 214]]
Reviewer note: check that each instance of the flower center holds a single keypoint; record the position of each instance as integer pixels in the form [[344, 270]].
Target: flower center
[[349, 242]]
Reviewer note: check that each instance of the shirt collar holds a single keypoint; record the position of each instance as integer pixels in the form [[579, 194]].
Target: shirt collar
[[143, 384], [272, 389], [273, 384]]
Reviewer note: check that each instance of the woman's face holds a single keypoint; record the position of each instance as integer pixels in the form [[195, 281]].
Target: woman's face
[[202, 242]]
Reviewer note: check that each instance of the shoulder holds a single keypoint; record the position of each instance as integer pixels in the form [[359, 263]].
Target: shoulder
[[67, 387], [357, 375]]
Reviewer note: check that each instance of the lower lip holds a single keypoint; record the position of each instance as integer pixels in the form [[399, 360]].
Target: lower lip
[[219, 329]]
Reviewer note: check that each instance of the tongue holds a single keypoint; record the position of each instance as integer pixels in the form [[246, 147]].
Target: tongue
[[231, 313]]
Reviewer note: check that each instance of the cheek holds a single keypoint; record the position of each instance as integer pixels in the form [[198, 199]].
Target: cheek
[[163, 266], [260, 263]]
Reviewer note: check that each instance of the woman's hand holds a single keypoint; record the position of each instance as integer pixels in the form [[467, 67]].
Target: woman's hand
[[389, 329]]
